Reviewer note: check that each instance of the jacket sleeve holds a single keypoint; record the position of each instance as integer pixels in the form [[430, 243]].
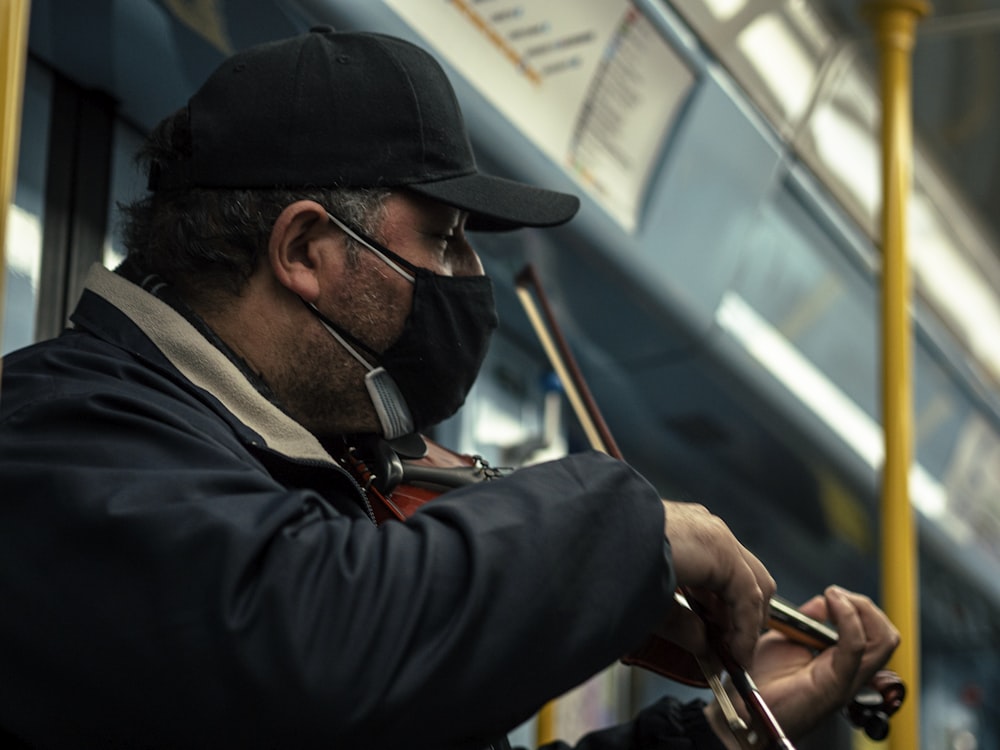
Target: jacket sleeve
[[512, 592], [171, 592], [665, 725]]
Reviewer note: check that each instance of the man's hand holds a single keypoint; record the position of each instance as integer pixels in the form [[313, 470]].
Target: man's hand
[[725, 577], [801, 688]]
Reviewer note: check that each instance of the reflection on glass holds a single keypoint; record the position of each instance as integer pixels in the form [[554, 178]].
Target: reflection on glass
[[24, 243], [781, 60], [723, 10], [25, 217]]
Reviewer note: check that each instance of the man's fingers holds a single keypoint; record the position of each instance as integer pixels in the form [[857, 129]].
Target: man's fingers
[[747, 593], [707, 557], [867, 637], [878, 635]]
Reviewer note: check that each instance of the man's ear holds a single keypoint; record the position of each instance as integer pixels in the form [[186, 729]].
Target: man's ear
[[294, 251]]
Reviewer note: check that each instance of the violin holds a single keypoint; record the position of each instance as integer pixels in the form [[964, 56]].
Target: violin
[[399, 481]]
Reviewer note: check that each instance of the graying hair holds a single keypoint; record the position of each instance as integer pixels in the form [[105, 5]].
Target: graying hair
[[208, 242]]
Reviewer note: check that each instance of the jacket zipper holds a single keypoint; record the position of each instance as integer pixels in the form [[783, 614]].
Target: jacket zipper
[[361, 493]]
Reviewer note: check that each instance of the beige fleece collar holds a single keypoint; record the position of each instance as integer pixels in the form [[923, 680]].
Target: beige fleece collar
[[204, 365]]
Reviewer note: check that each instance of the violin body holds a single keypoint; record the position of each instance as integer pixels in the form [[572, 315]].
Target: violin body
[[399, 484]]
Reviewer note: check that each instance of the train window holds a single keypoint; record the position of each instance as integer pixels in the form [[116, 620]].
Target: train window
[[24, 224], [803, 282]]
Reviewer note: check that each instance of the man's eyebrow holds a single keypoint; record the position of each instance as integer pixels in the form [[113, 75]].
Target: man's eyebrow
[[445, 215]]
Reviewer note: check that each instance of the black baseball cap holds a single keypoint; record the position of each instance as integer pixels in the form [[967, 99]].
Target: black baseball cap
[[345, 109]]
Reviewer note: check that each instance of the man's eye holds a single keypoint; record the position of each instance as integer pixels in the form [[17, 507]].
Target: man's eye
[[442, 239]]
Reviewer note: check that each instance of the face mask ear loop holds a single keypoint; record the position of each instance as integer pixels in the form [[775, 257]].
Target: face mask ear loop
[[382, 256], [343, 342], [390, 406]]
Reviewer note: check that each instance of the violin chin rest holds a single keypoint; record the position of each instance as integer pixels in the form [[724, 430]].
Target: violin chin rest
[[409, 447]]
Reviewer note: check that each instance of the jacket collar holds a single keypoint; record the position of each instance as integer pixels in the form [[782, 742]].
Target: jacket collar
[[205, 365]]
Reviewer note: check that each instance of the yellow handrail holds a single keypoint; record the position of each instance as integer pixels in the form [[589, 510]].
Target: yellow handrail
[[14, 16], [894, 23]]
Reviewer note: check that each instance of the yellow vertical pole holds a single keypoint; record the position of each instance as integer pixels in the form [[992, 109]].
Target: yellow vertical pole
[[546, 728], [13, 52], [894, 23]]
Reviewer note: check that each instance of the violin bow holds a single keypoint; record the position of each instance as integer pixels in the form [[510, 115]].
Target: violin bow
[[561, 358]]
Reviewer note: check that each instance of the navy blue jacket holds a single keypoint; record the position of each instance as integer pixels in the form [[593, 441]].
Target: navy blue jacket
[[184, 565]]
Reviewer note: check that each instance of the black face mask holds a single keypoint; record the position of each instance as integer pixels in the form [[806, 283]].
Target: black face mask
[[424, 376]]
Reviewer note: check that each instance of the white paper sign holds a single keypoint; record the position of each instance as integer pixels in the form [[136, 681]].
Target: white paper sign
[[590, 82]]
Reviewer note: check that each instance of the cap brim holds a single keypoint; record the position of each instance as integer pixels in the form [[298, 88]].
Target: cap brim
[[496, 204]]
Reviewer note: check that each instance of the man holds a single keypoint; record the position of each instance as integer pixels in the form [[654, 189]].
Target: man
[[185, 558]]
